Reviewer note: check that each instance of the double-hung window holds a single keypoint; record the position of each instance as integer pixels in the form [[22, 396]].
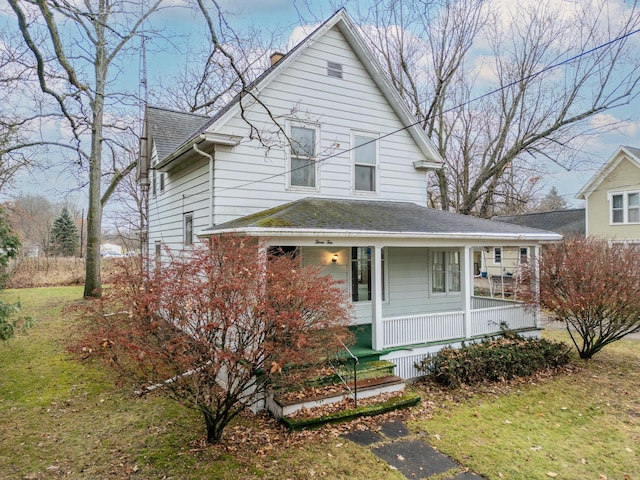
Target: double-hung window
[[361, 274], [303, 156], [365, 160], [625, 207], [445, 271]]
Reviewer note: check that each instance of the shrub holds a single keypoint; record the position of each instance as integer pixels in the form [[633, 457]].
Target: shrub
[[496, 360]]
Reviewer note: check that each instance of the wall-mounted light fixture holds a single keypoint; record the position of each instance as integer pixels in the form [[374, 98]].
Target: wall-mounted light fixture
[[334, 258]]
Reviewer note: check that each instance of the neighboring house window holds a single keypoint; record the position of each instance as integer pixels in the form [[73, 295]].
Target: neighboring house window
[[303, 156], [361, 274], [188, 229], [158, 253], [497, 255], [161, 182], [365, 159], [625, 207], [524, 255], [445, 272]]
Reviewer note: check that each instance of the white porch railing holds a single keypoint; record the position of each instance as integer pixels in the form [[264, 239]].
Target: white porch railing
[[487, 314], [400, 331]]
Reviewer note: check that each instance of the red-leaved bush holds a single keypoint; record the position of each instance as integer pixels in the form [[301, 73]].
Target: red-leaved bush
[[593, 286], [216, 325]]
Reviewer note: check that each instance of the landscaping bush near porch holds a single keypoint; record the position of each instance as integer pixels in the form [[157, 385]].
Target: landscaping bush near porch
[[501, 359]]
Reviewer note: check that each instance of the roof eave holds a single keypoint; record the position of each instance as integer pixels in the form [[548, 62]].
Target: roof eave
[[203, 140], [310, 232]]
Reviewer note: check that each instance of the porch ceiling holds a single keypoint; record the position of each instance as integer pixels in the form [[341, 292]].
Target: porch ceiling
[[367, 218]]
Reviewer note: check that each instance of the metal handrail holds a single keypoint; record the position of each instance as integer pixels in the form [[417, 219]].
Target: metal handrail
[[354, 391]]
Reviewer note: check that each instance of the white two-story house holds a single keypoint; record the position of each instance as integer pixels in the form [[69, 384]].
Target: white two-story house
[[343, 183]]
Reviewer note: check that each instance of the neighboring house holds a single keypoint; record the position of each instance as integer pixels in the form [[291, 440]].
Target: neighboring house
[[505, 260], [613, 198], [348, 192]]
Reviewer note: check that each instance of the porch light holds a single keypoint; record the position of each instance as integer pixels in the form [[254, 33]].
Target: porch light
[[334, 258]]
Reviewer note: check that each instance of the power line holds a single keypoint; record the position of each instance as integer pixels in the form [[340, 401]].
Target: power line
[[463, 104]]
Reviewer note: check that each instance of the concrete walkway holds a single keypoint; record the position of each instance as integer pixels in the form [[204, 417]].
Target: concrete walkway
[[414, 458]]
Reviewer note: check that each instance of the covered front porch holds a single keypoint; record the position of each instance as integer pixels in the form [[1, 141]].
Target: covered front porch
[[488, 316]]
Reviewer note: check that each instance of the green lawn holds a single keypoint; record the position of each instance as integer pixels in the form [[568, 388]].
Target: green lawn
[[66, 418]]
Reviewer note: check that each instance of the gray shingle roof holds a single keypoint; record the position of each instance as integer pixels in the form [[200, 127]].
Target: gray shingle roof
[[171, 128], [565, 222], [373, 217]]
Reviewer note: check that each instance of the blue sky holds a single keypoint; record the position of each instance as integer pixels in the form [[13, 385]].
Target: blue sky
[[283, 16]]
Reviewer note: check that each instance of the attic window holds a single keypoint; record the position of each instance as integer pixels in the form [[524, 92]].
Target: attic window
[[334, 69]]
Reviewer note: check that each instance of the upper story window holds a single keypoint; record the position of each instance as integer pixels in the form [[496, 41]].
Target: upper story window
[[625, 207], [154, 187], [161, 182], [365, 161], [303, 171]]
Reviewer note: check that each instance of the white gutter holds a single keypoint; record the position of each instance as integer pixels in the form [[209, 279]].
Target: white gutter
[[211, 197], [306, 232], [208, 137]]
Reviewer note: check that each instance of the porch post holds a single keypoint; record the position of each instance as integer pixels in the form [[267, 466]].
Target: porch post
[[536, 283], [467, 288], [377, 333]]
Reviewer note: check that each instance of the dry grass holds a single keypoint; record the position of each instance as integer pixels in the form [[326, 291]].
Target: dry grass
[[33, 272]]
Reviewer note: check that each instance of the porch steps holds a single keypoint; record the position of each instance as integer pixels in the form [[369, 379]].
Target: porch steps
[[375, 378]]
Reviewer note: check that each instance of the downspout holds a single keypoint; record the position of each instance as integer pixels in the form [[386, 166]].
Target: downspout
[[211, 196]]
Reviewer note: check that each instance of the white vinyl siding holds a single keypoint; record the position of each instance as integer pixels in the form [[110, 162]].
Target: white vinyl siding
[[248, 181]]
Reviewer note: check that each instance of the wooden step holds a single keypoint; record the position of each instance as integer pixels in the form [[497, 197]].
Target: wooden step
[[367, 387]]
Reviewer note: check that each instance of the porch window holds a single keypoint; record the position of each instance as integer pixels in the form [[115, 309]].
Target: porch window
[[454, 271], [361, 274], [303, 153], [365, 159], [524, 255], [625, 207], [497, 255], [445, 272], [438, 273]]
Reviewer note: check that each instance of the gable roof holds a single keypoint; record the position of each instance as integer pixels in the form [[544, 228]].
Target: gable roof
[[565, 222], [343, 22], [371, 218], [630, 153]]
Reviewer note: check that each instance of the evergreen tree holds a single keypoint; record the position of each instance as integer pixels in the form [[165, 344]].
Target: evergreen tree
[[64, 235], [552, 201]]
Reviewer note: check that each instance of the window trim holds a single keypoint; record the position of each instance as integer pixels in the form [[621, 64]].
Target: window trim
[[376, 165], [290, 156], [625, 207]]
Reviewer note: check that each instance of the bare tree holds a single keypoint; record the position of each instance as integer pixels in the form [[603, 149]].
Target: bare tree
[[84, 42], [501, 88]]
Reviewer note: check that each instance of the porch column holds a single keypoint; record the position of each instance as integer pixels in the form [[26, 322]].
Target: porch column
[[467, 288], [377, 333], [536, 283]]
